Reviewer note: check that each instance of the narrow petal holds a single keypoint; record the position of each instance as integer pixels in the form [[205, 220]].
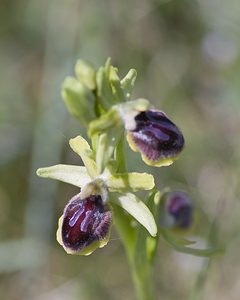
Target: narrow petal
[[134, 181], [82, 148], [139, 211], [75, 175]]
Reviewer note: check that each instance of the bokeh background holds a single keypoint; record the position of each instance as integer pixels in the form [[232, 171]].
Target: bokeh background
[[187, 53]]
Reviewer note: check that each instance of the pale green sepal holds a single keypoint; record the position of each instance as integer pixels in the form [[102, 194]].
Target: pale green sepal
[[75, 175], [87, 250], [86, 74], [127, 83], [136, 208], [79, 100], [106, 145], [134, 181], [82, 148], [178, 246]]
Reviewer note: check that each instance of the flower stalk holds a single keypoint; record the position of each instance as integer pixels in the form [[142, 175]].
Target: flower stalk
[[134, 242]]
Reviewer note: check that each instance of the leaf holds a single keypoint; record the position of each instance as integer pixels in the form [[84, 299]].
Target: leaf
[[172, 241], [75, 175], [82, 148], [127, 83], [136, 208], [134, 181], [79, 100]]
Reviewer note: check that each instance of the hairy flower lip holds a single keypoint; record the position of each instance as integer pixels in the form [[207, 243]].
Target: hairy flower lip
[[179, 206], [156, 137], [85, 225]]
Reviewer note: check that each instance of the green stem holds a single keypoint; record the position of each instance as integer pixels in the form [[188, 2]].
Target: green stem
[[197, 292], [143, 284], [141, 269], [134, 241], [120, 155]]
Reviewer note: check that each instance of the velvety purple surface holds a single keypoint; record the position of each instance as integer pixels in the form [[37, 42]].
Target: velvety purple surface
[[180, 207], [156, 136], [84, 222]]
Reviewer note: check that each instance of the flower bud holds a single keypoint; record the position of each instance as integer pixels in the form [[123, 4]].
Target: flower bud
[[85, 225], [179, 207], [86, 74], [79, 100], [157, 138]]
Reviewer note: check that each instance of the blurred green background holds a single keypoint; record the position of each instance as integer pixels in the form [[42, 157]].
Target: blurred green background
[[187, 56]]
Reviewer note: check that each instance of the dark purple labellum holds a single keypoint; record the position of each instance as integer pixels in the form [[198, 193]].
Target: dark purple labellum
[[84, 222], [179, 206], [156, 137]]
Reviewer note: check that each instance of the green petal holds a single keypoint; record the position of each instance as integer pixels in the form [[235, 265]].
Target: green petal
[[106, 145], [82, 148], [136, 208], [178, 245], [133, 181], [74, 175], [86, 251]]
